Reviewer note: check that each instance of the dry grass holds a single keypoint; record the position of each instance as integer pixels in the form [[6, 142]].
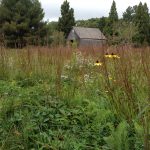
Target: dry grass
[[124, 82]]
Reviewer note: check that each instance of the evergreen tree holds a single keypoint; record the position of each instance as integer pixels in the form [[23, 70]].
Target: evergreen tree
[[21, 21], [113, 18], [142, 20], [66, 21], [113, 15]]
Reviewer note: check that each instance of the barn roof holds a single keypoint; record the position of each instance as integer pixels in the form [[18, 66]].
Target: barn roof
[[89, 33]]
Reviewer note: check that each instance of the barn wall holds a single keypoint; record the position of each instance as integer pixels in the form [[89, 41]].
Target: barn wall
[[91, 42], [72, 36]]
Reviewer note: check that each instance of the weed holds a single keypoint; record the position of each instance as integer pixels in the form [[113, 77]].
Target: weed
[[61, 98]]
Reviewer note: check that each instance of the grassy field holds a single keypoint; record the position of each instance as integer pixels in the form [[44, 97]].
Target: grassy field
[[61, 99]]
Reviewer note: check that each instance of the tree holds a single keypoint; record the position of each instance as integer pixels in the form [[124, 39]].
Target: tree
[[90, 23], [128, 15], [113, 15], [66, 21], [57, 39], [21, 21], [126, 31], [142, 20], [113, 19], [102, 23]]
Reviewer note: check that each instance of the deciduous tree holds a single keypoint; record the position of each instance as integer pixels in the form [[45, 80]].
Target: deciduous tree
[[128, 15]]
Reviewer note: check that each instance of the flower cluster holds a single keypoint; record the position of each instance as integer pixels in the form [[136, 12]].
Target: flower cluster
[[111, 56]]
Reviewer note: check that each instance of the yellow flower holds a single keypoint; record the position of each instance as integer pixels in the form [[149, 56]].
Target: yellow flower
[[116, 56], [108, 56], [98, 63], [112, 56]]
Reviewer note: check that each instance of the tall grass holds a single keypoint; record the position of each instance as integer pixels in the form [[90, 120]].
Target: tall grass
[[43, 90]]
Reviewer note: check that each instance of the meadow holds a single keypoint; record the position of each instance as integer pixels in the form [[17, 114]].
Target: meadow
[[70, 99]]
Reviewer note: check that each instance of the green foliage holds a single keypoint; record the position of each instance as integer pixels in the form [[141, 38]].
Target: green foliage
[[119, 138], [139, 15], [102, 23], [126, 31], [22, 22], [51, 28], [50, 122], [66, 21], [128, 15], [142, 20], [91, 23], [57, 39], [112, 19], [60, 99], [113, 15]]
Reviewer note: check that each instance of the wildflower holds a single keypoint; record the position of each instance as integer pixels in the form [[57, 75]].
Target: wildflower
[[115, 56], [98, 63], [111, 56], [86, 77], [108, 56], [64, 77]]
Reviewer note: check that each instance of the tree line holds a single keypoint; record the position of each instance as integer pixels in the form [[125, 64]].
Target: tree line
[[132, 28], [23, 24]]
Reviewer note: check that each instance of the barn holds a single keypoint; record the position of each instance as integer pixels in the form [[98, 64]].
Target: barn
[[86, 36]]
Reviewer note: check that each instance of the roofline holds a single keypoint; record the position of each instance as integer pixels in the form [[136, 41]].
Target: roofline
[[88, 28], [93, 39], [77, 35], [85, 27]]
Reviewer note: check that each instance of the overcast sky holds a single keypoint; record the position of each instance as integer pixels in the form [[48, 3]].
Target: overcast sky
[[85, 9]]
